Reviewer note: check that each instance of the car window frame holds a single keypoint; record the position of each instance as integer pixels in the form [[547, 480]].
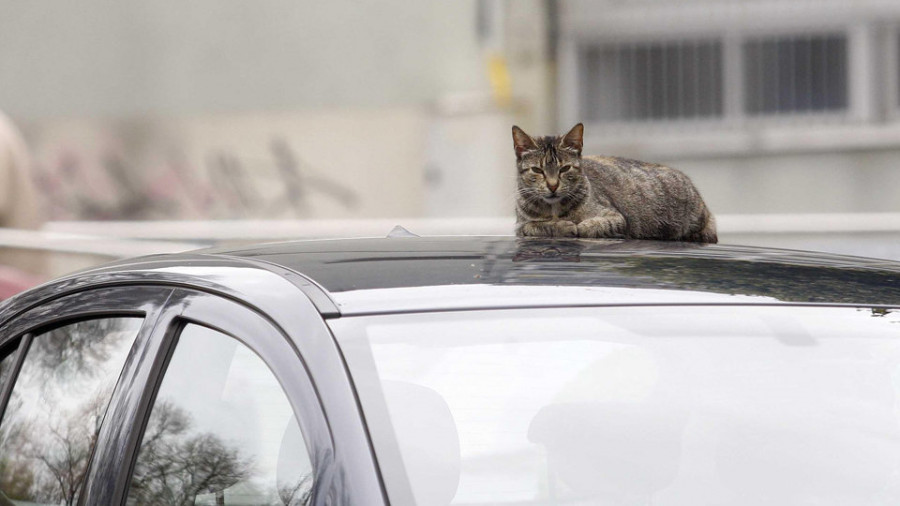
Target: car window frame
[[145, 302], [19, 345], [110, 302], [261, 335], [353, 474]]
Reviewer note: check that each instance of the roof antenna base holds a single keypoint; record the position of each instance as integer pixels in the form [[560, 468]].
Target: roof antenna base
[[399, 231]]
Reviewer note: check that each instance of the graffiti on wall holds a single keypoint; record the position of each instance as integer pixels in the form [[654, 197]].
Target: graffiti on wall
[[114, 184]]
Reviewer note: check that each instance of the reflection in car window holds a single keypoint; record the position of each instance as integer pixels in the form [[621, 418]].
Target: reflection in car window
[[56, 407], [221, 431], [676, 406]]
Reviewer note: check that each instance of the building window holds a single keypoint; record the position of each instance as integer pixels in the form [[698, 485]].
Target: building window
[[795, 74], [652, 81]]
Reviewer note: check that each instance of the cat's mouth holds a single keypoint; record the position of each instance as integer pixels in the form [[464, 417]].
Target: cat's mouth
[[552, 199]]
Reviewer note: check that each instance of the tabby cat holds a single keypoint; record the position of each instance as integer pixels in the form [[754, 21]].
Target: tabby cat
[[562, 194]]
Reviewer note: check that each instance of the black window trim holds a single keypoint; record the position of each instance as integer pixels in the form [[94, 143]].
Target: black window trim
[[145, 302], [18, 355], [346, 466], [264, 338], [87, 305]]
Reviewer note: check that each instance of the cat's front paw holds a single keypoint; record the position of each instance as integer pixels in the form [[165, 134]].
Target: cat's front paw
[[565, 229], [600, 228], [549, 229]]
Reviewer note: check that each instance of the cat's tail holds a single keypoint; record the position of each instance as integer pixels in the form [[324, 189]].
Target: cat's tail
[[707, 233]]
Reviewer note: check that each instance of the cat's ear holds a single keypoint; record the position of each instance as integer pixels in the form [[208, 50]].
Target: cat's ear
[[522, 141], [574, 140]]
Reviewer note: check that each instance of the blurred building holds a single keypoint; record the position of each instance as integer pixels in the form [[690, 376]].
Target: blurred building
[[286, 109], [772, 106], [272, 109]]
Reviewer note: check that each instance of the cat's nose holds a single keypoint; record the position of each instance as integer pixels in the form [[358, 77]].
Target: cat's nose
[[552, 186]]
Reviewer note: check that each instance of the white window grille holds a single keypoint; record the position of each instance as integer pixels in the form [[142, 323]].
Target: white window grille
[[801, 74], [653, 81]]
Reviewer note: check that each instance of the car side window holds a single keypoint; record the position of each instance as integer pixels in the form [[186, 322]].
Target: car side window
[[56, 407], [221, 431]]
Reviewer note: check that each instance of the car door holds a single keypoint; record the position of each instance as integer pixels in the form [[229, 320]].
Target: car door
[[200, 380], [62, 364], [229, 415]]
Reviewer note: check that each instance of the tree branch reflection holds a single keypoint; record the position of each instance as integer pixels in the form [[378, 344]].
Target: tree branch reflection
[[175, 466]]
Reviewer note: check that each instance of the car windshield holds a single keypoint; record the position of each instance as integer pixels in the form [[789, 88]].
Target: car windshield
[[665, 405]]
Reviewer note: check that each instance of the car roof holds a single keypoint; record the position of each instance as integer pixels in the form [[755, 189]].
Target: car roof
[[444, 273], [354, 277]]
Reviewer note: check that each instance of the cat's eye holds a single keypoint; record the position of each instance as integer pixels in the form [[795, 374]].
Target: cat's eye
[[564, 168], [537, 170]]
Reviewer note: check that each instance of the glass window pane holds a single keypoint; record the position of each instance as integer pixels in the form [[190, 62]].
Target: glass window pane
[[652, 80], [56, 407], [221, 431], [664, 406], [795, 74]]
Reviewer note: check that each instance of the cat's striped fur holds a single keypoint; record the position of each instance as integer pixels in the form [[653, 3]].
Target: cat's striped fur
[[562, 194]]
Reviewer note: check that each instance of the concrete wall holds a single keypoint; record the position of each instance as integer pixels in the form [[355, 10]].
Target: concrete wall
[[167, 110], [108, 58], [829, 182]]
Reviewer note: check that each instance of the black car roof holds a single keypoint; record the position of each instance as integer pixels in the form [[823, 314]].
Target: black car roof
[[354, 277], [372, 275]]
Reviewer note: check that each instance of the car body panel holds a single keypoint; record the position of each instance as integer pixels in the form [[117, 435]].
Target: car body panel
[[409, 274], [365, 276]]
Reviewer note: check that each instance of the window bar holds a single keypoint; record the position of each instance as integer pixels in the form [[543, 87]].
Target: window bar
[[623, 105], [809, 74], [896, 85], [664, 54], [823, 54], [679, 97], [632, 88], [711, 88], [809, 77], [714, 51], [615, 107], [842, 90], [777, 77], [760, 77], [648, 89], [792, 74], [733, 75], [702, 76], [696, 112]]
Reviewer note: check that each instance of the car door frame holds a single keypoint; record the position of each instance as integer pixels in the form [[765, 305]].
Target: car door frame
[[109, 485], [56, 310], [145, 302], [275, 294]]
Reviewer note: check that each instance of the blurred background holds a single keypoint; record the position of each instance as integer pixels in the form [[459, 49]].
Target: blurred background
[[159, 126]]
